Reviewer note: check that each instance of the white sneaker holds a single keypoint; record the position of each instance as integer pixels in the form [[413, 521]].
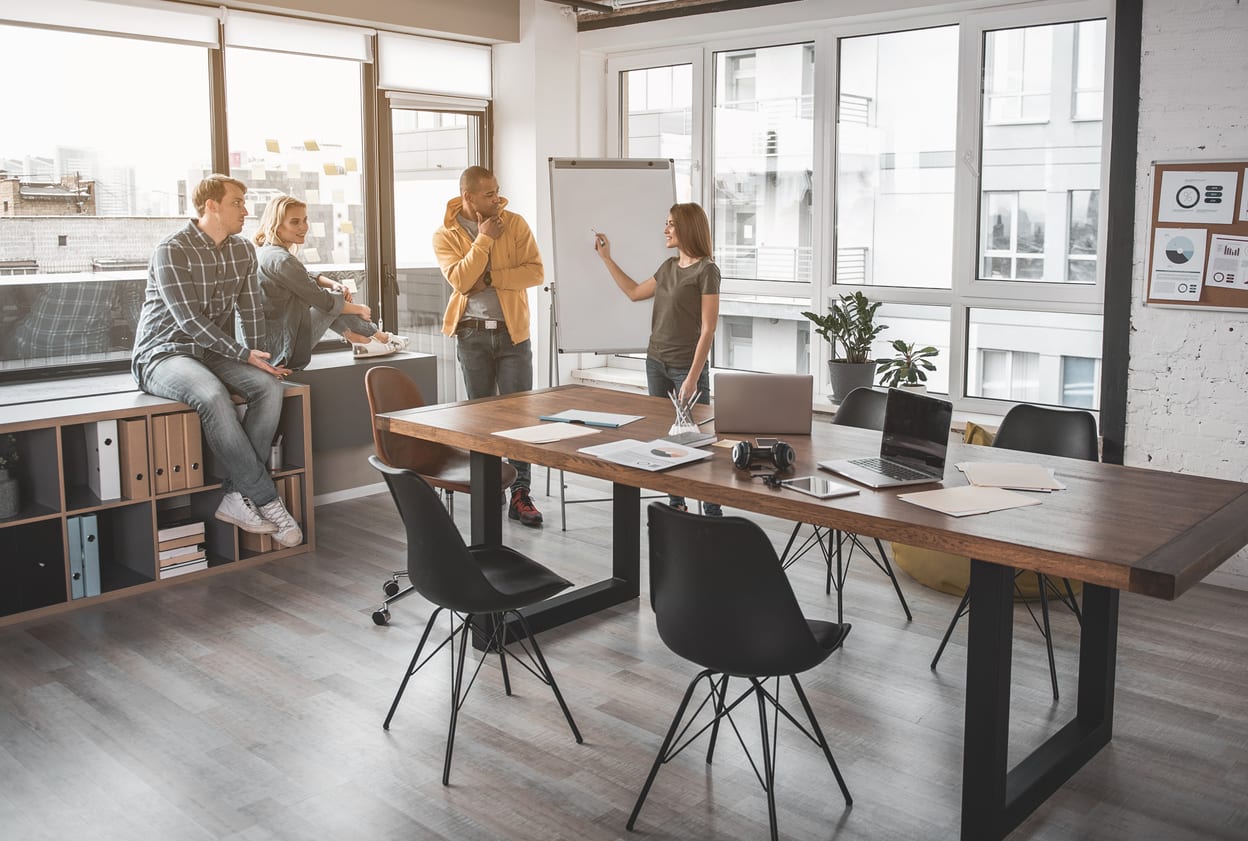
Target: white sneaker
[[372, 347], [287, 530], [242, 512], [399, 342]]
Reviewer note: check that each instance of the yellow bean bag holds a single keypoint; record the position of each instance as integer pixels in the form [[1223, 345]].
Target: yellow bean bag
[[950, 573]]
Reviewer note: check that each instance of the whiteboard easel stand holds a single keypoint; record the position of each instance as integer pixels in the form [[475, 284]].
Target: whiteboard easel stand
[[552, 376]]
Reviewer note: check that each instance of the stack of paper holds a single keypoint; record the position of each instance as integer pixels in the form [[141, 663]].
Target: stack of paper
[[546, 433], [1015, 476], [968, 499], [646, 455]]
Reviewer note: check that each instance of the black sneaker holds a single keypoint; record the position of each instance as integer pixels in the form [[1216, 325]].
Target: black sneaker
[[523, 509]]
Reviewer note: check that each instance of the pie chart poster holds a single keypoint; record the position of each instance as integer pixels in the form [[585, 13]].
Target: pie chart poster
[[1198, 249], [1178, 263]]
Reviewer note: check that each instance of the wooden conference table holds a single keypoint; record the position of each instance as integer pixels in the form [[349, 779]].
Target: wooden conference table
[[1114, 528]]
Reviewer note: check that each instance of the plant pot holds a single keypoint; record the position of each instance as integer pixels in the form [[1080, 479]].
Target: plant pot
[[846, 376], [917, 388], [10, 499]]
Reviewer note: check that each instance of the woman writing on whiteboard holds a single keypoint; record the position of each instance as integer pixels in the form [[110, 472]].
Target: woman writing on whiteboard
[[685, 289]]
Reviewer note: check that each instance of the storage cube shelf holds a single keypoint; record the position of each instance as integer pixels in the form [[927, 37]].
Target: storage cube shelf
[[94, 461]]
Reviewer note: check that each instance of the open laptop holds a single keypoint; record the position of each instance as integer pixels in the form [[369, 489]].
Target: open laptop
[[912, 450], [763, 404]]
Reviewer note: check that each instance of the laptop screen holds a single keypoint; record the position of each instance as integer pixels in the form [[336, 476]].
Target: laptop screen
[[916, 430]]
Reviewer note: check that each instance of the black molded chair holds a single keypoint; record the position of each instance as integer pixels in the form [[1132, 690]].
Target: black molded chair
[[862, 408], [446, 468], [1055, 432], [478, 586], [721, 599]]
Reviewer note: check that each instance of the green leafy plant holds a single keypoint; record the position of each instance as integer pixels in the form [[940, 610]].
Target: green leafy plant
[[849, 321], [9, 456], [909, 366]]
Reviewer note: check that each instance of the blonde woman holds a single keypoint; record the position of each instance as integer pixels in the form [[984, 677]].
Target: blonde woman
[[685, 289], [299, 306]]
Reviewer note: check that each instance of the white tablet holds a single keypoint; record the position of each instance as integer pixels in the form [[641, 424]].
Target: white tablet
[[819, 487]]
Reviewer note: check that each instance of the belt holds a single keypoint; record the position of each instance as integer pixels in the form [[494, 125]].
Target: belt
[[481, 323]]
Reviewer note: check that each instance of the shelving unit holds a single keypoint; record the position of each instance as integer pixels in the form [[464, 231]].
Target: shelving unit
[[52, 438]]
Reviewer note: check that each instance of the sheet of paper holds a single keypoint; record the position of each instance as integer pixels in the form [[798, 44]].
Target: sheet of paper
[[546, 433], [646, 455], [969, 499], [1228, 262], [605, 419], [1178, 263], [1205, 197], [1016, 476]]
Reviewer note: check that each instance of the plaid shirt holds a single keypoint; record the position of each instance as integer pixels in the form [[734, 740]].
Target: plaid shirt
[[193, 290]]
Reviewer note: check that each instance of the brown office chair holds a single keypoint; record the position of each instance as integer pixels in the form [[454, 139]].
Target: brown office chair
[[445, 468]]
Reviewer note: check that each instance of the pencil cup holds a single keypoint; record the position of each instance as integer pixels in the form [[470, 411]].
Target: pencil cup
[[275, 456]]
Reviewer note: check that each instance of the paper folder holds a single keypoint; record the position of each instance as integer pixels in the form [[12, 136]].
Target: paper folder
[[175, 442], [73, 541], [194, 441], [160, 453], [132, 453], [103, 466]]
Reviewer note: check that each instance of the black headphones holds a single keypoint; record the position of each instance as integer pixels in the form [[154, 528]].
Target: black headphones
[[780, 455]]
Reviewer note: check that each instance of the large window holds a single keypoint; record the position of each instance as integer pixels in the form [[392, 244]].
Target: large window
[[658, 119], [762, 186], [965, 158], [95, 165], [895, 154], [280, 146]]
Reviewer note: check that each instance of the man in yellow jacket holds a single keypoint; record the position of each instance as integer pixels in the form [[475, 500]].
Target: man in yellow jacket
[[490, 259]]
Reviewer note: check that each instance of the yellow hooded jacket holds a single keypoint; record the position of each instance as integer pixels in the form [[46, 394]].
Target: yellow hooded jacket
[[514, 262]]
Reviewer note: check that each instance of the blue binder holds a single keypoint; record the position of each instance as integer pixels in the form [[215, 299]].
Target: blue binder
[[74, 541], [90, 555]]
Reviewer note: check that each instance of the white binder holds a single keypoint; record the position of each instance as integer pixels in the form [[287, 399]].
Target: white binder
[[103, 461]]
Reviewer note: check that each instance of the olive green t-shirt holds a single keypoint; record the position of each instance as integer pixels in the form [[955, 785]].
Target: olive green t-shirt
[[676, 322]]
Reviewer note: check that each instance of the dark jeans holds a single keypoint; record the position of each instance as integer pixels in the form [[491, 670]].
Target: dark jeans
[[660, 379], [492, 365]]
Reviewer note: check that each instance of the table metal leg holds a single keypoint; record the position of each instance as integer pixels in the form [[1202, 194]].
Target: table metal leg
[[996, 799], [623, 585]]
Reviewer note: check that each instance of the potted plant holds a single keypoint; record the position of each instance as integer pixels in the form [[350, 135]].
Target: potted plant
[[9, 501], [849, 322], [908, 369]]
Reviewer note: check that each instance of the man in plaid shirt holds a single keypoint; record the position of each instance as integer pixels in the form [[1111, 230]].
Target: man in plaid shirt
[[198, 279]]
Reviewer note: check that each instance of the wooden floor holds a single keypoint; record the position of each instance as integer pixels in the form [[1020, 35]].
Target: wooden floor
[[248, 706]]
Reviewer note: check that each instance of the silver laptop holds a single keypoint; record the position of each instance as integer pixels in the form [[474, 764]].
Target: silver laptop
[[763, 404], [912, 450]]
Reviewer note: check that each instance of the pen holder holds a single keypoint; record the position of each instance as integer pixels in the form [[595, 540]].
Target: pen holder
[[679, 427], [275, 456]]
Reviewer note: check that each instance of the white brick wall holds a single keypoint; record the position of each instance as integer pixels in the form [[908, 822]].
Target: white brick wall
[[1187, 401]]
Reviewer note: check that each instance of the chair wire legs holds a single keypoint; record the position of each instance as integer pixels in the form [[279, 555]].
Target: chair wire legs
[[830, 541], [1044, 584], [678, 737], [495, 627]]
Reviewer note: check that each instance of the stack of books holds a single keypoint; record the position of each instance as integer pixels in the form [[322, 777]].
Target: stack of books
[[181, 548]]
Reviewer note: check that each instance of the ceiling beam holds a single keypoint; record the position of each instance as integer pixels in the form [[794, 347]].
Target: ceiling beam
[[645, 12], [605, 8]]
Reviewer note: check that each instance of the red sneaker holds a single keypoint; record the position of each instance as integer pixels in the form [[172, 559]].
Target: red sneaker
[[523, 509]]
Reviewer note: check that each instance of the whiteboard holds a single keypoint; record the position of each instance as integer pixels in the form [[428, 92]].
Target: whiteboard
[[627, 199]]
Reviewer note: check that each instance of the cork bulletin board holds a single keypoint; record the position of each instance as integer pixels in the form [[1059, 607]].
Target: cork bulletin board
[[1198, 237]]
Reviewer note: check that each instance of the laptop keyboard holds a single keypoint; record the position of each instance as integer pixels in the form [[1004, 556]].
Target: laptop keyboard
[[889, 469]]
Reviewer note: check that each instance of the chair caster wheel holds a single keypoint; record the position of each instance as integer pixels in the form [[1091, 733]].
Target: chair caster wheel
[[390, 587], [381, 616]]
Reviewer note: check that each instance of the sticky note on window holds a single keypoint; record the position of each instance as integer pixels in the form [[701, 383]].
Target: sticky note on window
[[272, 146], [351, 165], [318, 229], [330, 169], [310, 255], [346, 227], [311, 146]]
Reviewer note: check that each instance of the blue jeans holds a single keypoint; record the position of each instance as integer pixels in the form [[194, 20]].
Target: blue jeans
[[242, 447], [660, 379], [492, 365]]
